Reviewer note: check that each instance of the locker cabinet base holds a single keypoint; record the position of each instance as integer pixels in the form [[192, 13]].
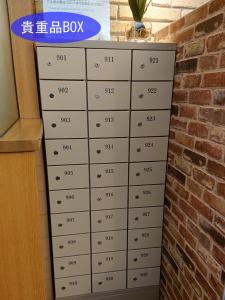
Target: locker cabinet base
[[147, 293]]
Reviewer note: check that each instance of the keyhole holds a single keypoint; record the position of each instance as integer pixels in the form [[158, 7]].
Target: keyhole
[[136, 219], [59, 225], [142, 66], [137, 197], [51, 96], [63, 288], [141, 96], [99, 221], [136, 239], [99, 243], [59, 202], [99, 282], [135, 279], [57, 178], [135, 259], [61, 247], [53, 125], [139, 150], [99, 263], [139, 124], [98, 151], [137, 174], [62, 268], [98, 125], [56, 152], [99, 175]]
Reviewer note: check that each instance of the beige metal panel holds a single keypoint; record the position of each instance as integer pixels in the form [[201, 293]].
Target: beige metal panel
[[144, 238], [147, 195], [150, 123], [109, 124], [151, 95], [61, 63], [64, 152], [63, 95], [8, 99], [109, 241], [65, 124], [69, 200], [109, 174], [147, 173], [68, 177], [109, 150], [108, 64], [144, 258], [72, 266], [105, 220], [110, 261], [71, 286], [70, 223], [108, 198], [109, 281], [143, 277], [104, 95], [71, 245], [145, 217], [153, 65], [148, 149]]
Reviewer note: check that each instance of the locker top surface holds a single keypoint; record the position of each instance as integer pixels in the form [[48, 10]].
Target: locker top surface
[[114, 45]]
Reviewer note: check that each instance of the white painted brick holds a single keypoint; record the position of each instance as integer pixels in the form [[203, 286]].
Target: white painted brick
[[163, 14], [188, 3], [125, 13], [113, 11], [156, 26], [161, 2]]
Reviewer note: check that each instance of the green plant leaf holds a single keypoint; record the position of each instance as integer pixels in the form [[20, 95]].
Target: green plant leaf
[[138, 8]]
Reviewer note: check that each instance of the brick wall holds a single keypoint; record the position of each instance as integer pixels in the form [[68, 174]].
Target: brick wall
[[160, 14], [193, 264]]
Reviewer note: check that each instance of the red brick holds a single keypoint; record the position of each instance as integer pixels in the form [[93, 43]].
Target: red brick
[[168, 236], [216, 5], [210, 149], [209, 25], [217, 135], [222, 61], [215, 202], [214, 79], [176, 234], [179, 53], [179, 96], [176, 26], [219, 117], [187, 66], [194, 157], [217, 286], [196, 15], [194, 187], [200, 97], [194, 48], [219, 255], [216, 42], [201, 208], [185, 285], [170, 259], [176, 174], [197, 260], [183, 166], [221, 189], [216, 169], [193, 283], [198, 129], [170, 193], [162, 34], [215, 235], [185, 140], [219, 222], [171, 158], [178, 213], [191, 81], [172, 134], [183, 257], [204, 284], [206, 114], [187, 236], [170, 217], [204, 179], [184, 36], [219, 97], [207, 63], [202, 238], [178, 124], [179, 189], [175, 148], [188, 210], [188, 111], [177, 82]]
